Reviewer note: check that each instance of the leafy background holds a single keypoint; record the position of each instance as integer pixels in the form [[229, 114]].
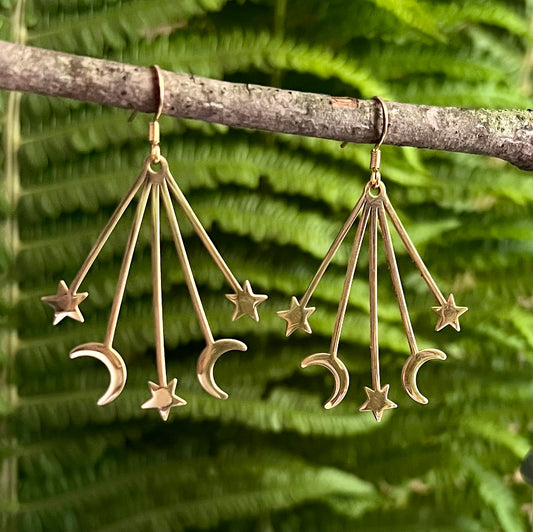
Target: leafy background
[[270, 458]]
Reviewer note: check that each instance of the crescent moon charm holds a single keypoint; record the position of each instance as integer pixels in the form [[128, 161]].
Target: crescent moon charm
[[410, 371], [113, 362], [206, 363], [337, 369]]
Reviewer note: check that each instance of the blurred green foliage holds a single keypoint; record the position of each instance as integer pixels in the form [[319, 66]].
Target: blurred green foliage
[[270, 458]]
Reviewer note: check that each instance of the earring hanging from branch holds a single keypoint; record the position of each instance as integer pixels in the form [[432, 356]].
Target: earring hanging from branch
[[373, 209], [157, 184]]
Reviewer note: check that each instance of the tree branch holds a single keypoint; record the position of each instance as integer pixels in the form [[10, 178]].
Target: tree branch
[[506, 134]]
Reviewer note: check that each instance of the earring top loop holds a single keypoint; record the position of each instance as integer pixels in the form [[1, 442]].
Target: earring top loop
[[154, 125], [385, 128], [161, 85], [375, 155]]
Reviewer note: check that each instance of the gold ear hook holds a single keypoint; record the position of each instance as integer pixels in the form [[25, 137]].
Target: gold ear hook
[[154, 135], [385, 128], [161, 85], [375, 156]]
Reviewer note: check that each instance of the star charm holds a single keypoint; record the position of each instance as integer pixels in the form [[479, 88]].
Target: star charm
[[449, 314], [163, 398], [377, 401], [246, 302], [65, 303], [296, 317]]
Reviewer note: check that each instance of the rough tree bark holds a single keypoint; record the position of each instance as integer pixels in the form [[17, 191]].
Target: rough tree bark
[[506, 134]]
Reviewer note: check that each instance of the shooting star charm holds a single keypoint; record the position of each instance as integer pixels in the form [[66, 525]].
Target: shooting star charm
[[373, 208], [159, 186]]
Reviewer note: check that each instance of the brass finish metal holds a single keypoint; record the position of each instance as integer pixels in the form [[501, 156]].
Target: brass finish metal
[[213, 349], [296, 317], [113, 362], [244, 299], [373, 207], [417, 358], [105, 351], [125, 267], [65, 303], [330, 360], [384, 126], [157, 184], [377, 400], [449, 314], [157, 291], [163, 398]]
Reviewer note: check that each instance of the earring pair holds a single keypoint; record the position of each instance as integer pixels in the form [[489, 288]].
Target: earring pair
[[158, 185]]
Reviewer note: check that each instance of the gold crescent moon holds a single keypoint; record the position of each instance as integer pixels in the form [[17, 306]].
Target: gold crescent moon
[[113, 362], [337, 369], [206, 362], [410, 370]]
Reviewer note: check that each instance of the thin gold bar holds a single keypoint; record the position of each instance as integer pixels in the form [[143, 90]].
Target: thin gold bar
[[396, 280], [108, 229], [332, 250], [202, 234], [126, 263], [157, 293], [373, 298], [185, 265], [348, 279], [413, 253]]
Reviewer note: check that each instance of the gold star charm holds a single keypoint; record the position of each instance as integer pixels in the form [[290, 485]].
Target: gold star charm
[[246, 302], [65, 303], [163, 398], [377, 401], [296, 317], [449, 314]]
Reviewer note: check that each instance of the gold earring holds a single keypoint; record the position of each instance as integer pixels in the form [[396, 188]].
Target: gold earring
[[158, 185], [373, 207]]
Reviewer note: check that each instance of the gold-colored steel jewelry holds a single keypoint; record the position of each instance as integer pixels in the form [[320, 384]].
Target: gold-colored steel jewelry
[[373, 207], [159, 186]]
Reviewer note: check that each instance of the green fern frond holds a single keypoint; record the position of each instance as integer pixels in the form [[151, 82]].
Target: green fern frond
[[287, 482], [492, 432], [275, 492], [414, 14], [406, 62], [299, 412], [288, 278], [270, 458], [195, 164], [502, 50], [101, 127], [136, 330], [116, 27], [440, 93], [496, 495], [497, 14], [261, 218], [236, 50], [101, 179]]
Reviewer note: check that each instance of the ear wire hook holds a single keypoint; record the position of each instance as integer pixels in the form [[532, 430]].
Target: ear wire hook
[[385, 128], [154, 133], [375, 156], [161, 85]]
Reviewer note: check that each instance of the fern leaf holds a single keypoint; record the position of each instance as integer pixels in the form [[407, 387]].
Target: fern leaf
[[236, 50], [414, 14], [92, 31], [497, 496], [495, 13]]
